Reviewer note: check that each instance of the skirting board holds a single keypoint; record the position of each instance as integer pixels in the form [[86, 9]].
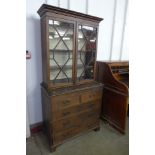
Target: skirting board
[[37, 127]]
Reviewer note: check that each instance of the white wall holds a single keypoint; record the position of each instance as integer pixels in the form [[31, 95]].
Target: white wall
[[117, 41], [110, 42], [125, 45], [33, 66], [104, 9]]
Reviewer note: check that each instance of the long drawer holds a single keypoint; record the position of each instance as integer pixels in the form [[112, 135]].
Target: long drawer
[[75, 121], [59, 138], [73, 110]]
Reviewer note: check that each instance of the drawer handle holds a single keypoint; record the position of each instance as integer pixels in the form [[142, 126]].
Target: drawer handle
[[80, 98], [90, 96], [79, 108], [87, 116], [65, 135], [91, 114], [66, 113], [91, 105], [66, 123], [89, 125], [66, 102], [69, 126]]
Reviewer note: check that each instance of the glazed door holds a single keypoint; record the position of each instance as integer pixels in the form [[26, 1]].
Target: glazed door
[[86, 52], [61, 53]]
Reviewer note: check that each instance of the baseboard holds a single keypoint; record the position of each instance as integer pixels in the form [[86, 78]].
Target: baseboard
[[37, 127], [114, 125]]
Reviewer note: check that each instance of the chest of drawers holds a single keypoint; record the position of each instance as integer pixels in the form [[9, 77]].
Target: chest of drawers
[[70, 113]]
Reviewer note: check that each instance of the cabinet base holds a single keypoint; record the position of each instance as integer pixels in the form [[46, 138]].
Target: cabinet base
[[52, 149], [113, 124], [97, 129]]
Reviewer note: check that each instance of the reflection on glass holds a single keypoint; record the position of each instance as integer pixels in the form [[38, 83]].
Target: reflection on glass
[[86, 52], [61, 48]]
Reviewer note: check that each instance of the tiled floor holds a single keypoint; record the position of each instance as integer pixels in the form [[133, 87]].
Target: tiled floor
[[107, 141]]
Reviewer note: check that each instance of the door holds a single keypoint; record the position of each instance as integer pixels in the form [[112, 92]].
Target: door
[[86, 52], [61, 53]]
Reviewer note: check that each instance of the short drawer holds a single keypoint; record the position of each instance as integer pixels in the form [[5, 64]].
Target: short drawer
[[91, 95], [74, 110], [64, 101]]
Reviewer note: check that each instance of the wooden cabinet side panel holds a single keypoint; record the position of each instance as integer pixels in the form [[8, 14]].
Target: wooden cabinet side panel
[[46, 110], [114, 109], [115, 96], [44, 49]]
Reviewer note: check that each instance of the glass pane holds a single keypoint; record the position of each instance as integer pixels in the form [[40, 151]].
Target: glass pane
[[86, 52], [61, 49]]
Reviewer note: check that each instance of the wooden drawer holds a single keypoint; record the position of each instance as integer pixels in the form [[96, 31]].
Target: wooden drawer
[[91, 95], [65, 101], [59, 138], [74, 110], [75, 121]]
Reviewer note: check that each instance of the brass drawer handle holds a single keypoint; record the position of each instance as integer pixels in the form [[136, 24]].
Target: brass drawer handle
[[79, 108], [66, 113], [65, 135], [91, 105], [66, 123], [92, 95], [89, 125], [66, 102], [80, 98], [90, 115]]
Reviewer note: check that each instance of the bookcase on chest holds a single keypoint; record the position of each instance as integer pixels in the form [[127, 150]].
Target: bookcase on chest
[[71, 98]]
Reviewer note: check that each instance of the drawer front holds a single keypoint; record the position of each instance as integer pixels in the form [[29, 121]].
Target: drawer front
[[91, 95], [64, 101], [67, 100], [59, 138], [74, 110], [76, 121]]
